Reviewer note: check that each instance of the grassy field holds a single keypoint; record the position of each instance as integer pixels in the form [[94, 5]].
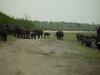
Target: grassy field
[[86, 52], [70, 38]]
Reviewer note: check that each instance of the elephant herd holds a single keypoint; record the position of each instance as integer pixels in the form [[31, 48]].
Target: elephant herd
[[22, 32], [37, 33], [90, 41]]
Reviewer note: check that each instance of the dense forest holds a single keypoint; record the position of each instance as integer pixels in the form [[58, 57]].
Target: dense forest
[[45, 25]]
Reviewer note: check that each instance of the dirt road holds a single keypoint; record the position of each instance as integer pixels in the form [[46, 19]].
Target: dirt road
[[44, 57]]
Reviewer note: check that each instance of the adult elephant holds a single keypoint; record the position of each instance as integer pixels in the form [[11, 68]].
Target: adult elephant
[[4, 35], [3, 32], [60, 35], [20, 32], [98, 38], [39, 33], [0, 35], [33, 35], [27, 34], [98, 43], [98, 32], [10, 29]]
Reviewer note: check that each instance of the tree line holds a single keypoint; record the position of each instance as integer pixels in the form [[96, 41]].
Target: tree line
[[67, 26], [45, 25], [5, 19]]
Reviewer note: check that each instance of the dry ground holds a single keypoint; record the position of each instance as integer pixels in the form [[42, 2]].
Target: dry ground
[[44, 57]]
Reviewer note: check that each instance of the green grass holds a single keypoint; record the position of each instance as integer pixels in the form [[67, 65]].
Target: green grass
[[86, 52]]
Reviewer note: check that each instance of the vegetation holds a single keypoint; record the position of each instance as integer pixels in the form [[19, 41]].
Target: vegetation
[[5, 19], [45, 25], [86, 52], [67, 26]]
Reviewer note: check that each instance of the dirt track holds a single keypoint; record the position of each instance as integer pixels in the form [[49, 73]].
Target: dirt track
[[43, 57]]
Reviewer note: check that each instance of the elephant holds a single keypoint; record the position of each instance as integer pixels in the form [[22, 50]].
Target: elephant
[[33, 35], [60, 35], [27, 34], [98, 38], [3, 32], [38, 33], [20, 32]]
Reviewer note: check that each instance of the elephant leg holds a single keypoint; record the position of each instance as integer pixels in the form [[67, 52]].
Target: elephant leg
[[21, 36], [98, 45], [18, 35], [59, 38], [2, 38], [38, 36], [5, 38]]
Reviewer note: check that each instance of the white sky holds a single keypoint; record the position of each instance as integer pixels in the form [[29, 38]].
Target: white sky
[[84, 11]]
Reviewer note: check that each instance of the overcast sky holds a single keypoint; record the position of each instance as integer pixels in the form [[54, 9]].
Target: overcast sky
[[84, 11]]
